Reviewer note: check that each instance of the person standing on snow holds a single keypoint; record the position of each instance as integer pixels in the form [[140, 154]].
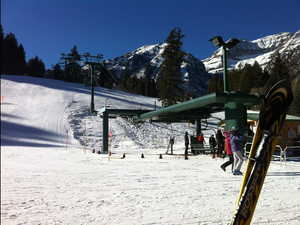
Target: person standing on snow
[[228, 152], [170, 145], [236, 141], [220, 141], [186, 142], [201, 140], [212, 145]]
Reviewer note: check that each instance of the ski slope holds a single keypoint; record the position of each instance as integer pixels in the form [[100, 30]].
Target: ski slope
[[49, 174]]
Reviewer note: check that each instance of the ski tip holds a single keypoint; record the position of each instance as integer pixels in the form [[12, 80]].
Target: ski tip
[[276, 101]]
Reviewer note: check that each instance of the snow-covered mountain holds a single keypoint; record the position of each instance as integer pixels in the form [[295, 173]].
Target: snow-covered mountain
[[146, 60], [260, 50]]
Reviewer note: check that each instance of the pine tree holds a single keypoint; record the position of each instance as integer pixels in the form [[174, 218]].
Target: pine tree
[[21, 60], [264, 78], [72, 68], [125, 77], [148, 81], [292, 60], [235, 79], [215, 84], [247, 79], [1, 49], [258, 75], [75, 57], [56, 72], [10, 51], [1, 35], [295, 106], [12, 55], [152, 88], [170, 78], [278, 70], [103, 77], [73, 72], [36, 67]]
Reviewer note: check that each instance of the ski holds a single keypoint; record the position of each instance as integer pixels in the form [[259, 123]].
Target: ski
[[271, 118]]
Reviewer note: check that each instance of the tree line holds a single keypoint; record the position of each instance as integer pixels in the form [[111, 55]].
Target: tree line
[[168, 86], [13, 62], [252, 79], [71, 69], [13, 58]]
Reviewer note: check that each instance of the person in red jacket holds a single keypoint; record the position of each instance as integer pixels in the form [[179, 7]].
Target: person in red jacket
[[228, 151], [201, 140]]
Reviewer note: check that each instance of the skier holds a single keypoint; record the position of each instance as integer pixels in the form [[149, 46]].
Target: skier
[[220, 141], [212, 145], [170, 145], [236, 142], [186, 142], [228, 152], [200, 139]]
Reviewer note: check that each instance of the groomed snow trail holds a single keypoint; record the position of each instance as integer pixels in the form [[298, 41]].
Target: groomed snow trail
[[47, 177], [34, 115]]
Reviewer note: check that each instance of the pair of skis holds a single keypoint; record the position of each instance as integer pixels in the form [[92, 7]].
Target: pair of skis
[[271, 118]]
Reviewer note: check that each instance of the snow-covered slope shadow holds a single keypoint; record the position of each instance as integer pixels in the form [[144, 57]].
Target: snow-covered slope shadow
[[13, 134], [33, 114]]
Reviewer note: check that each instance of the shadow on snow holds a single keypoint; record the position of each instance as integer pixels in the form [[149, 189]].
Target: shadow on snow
[[13, 134]]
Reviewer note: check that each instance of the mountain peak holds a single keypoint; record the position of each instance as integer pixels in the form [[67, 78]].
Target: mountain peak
[[146, 60], [259, 50]]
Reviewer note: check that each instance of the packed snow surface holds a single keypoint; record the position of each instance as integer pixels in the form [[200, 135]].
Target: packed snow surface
[[49, 174]]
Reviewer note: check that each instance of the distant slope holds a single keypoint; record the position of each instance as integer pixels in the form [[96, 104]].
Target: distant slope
[[39, 112], [33, 112], [260, 50]]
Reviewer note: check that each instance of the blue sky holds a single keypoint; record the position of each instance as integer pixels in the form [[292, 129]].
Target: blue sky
[[47, 28]]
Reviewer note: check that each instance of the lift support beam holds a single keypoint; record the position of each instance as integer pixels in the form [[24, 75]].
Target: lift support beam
[[105, 113], [195, 109], [207, 104]]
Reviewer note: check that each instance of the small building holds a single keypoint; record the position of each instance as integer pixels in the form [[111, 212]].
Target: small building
[[290, 133]]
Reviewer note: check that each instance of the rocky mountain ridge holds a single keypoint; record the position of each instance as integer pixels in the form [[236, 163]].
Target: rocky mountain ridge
[[146, 60], [259, 50]]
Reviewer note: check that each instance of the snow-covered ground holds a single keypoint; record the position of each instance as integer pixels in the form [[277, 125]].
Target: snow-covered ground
[[50, 176]]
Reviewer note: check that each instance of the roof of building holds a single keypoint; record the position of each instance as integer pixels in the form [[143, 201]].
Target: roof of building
[[253, 115]]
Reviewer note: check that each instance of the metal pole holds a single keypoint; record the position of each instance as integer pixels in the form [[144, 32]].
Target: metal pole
[[225, 74], [105, 132], [92, 91], [198, 127]]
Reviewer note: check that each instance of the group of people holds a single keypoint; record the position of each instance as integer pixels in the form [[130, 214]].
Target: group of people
[[217, 144], [200, 138], [234, 143], [230, 141]]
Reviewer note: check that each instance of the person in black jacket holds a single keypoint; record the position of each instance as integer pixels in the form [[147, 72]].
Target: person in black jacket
[[186, 142], [212, 145], [170, 145], [220, 141]]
